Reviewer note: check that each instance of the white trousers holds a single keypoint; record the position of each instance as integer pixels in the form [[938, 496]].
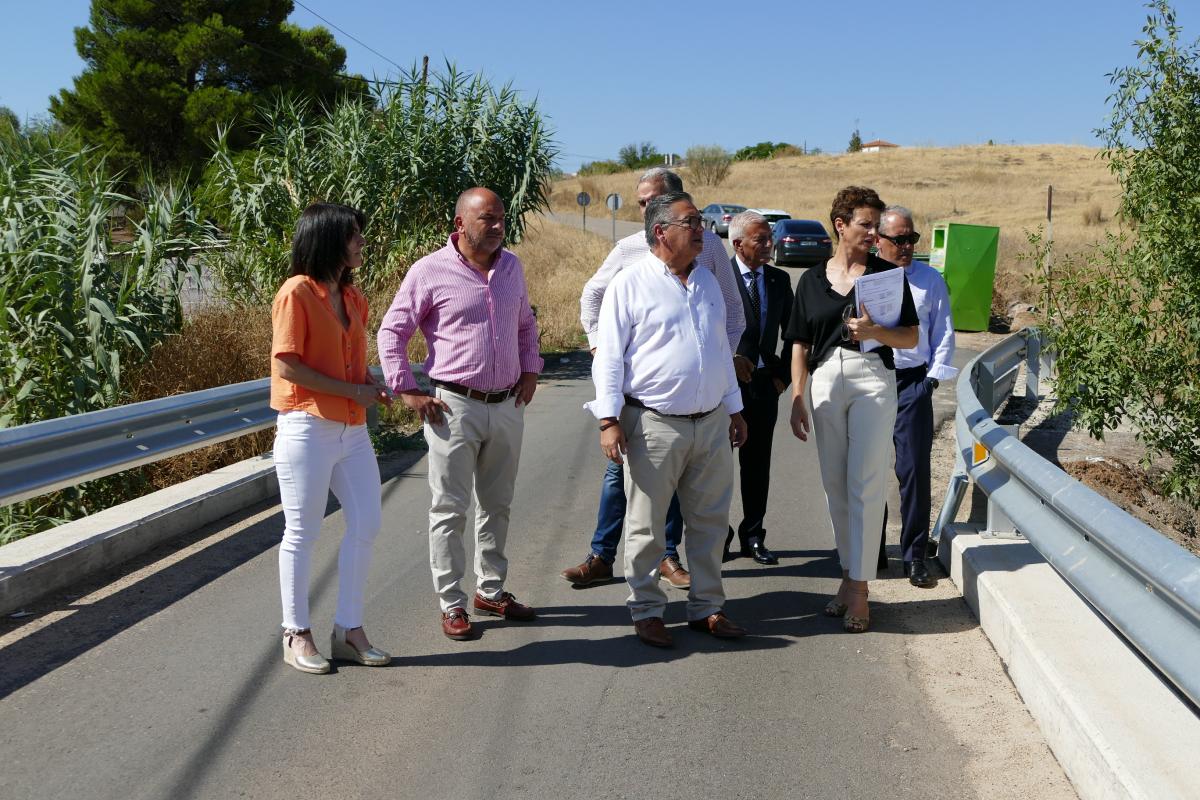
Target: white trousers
[[854, 410], [668, 455], [312, 456], [476, 449]]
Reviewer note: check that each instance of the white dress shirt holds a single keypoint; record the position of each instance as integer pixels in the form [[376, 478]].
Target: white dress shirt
[[660, 341], [935, 340], [634, 248]]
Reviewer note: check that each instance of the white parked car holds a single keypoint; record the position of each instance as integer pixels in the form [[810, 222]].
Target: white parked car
[[771, 215]]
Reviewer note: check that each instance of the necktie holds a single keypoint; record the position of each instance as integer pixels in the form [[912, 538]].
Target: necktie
[[752, 290]]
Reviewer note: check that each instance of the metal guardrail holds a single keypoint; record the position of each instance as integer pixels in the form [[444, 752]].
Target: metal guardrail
[[1145, 585], [45, 456]]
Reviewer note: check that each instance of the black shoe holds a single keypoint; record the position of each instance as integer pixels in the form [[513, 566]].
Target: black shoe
[[918, 574], [759, 552]]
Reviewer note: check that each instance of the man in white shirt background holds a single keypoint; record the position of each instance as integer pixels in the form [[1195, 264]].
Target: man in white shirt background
[[610, 516], [668, 402], [918, 371]]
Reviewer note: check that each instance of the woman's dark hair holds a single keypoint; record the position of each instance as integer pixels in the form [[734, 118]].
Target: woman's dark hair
[[319, 244], [850, 198]]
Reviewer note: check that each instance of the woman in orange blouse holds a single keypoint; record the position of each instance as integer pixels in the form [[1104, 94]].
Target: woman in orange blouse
[[322, 390]]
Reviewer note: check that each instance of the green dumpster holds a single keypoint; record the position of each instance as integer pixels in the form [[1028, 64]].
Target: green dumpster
[[966, 257]]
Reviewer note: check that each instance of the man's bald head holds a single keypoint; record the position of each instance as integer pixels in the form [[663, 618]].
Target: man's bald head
[[479, 221], [476, 194]]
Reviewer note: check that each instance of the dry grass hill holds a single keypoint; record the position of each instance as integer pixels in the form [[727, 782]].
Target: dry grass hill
[[985, 185]]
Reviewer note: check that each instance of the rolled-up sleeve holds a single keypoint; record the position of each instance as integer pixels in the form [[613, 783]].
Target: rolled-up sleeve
[[593, 293], [941, 333], [399, 323], [527, 334]]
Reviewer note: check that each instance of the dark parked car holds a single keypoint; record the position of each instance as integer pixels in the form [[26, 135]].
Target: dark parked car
[[717, 215], [802, 242]]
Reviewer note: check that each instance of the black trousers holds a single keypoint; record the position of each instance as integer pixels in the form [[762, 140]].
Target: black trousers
[[913, 437], [761, 409]]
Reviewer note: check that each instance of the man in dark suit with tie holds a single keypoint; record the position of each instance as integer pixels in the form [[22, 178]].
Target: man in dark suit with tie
[[763, 366]]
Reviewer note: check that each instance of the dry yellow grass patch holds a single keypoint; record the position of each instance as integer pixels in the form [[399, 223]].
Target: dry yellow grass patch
[[1001, 185], [558, 261]]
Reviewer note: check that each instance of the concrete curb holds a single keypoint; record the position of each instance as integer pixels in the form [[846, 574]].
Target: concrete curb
[[1117, 729], [36, 565]]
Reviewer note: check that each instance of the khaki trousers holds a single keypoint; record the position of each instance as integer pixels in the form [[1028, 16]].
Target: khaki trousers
[[476, 448], [854, 409], [668, 455]]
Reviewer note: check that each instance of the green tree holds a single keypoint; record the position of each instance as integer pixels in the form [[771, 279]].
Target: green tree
[[762, 150], [162, 77], [634, 156], [708, 164], [855, 142], [1125, 320], [10, 123]]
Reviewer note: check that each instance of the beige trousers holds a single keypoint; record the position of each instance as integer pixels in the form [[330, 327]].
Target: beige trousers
[[476, 448], [668, 455], [854, 410]]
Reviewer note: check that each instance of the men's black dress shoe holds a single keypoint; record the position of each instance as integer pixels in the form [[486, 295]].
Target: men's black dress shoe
[[758, 551], [918, 574]]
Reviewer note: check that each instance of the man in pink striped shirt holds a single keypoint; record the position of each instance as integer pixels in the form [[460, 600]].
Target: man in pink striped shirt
[[470, 302]]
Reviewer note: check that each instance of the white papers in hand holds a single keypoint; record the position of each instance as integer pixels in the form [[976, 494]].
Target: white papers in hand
[[882, 293]]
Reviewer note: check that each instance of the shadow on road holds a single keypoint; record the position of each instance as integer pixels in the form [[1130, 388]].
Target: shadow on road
[[89, 624]]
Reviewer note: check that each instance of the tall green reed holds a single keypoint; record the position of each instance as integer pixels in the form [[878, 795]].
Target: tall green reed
[[402, 159], [77, 303]]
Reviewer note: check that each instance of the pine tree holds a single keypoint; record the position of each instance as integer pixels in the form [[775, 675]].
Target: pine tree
[[162, 76], [855, 142]]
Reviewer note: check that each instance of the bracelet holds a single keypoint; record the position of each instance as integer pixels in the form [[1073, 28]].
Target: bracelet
[[608, 425]]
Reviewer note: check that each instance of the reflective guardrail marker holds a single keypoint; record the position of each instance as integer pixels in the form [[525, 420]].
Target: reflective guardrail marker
[[979, 454]]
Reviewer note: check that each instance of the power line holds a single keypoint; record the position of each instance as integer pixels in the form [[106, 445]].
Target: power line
[[281, 56], [349, 35]]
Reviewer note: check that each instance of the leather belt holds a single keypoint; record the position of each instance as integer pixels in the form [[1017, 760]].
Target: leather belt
[[475, 394], [633, 401]]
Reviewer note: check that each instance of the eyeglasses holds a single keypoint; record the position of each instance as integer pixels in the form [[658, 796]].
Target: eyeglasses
[[847, 313], [900, 241], [695, 223]]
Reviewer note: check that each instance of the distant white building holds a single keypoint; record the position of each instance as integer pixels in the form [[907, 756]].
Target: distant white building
[[876, 146]]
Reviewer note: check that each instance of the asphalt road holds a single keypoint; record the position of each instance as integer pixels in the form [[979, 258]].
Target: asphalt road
[[169, 683], [165, 680]]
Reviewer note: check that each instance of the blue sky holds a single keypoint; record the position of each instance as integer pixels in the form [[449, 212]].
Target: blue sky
[[684, 73]]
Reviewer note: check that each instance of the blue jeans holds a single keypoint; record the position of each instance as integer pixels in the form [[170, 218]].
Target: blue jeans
[[610, 519]]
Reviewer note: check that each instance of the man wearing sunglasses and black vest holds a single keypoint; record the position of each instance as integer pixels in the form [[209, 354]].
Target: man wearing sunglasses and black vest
[[918, 371]]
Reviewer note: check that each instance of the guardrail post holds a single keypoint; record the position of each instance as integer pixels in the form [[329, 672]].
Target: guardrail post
[[1033, 352], [984, 383]]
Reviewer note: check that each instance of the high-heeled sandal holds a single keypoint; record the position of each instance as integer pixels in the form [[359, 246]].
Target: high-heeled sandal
[[314, 664], [342, 650], [834, 608], [853, 624]]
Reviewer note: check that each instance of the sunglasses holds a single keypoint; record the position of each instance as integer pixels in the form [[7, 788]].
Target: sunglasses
[[847, 314], [694, 223], [900, 241]]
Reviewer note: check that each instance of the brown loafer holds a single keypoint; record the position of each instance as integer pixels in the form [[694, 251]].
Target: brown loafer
[[652, 631], [503, 606], [670, 570], [592, 570], [718, 625], [456, 625]]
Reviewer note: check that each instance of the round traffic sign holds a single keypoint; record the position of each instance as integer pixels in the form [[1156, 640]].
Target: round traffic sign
[[583, 198], [613, 201]]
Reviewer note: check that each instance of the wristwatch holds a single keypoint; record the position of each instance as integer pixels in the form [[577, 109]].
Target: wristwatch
[[934, 382]]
